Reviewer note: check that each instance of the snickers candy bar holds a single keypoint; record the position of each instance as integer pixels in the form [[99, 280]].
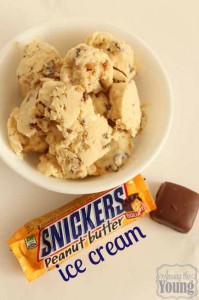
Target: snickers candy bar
[[51, 239], [177, 207]]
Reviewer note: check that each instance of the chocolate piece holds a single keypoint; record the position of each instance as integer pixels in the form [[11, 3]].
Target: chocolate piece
[[177, 207]]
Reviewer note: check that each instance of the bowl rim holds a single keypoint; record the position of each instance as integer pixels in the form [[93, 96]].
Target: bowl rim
[[67, 189]]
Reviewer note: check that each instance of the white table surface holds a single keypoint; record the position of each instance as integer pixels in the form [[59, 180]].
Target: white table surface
[[171, 28]]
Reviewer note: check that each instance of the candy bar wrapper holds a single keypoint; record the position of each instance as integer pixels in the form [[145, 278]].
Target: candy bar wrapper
[[53, 238]]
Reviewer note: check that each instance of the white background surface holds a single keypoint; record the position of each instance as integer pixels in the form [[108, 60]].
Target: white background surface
[[171, 28]]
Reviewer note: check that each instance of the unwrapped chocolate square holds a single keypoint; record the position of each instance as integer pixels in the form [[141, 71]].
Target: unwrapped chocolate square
[[177, 207]]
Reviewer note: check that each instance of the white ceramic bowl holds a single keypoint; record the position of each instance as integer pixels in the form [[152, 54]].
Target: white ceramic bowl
[[153, 86]]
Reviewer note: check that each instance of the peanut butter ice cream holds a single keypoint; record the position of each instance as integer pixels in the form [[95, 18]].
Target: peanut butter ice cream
[[40, 60], [125, 108], [80, 113], [89, 67], [120, 53]]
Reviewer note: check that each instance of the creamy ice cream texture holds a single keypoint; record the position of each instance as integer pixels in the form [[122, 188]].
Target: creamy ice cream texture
[[120, 53], [88, 66], [80, 113], [40, 60]]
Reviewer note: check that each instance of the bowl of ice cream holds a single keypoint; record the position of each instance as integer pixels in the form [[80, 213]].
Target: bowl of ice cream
[[73, 96]]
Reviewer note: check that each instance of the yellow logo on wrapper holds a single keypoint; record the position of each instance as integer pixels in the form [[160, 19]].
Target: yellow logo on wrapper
[[45, 241]]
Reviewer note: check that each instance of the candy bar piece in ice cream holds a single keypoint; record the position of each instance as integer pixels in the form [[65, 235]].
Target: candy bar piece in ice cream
[[40, 60], [125, 107], [121, 148], [89, 67], [120, 53]]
